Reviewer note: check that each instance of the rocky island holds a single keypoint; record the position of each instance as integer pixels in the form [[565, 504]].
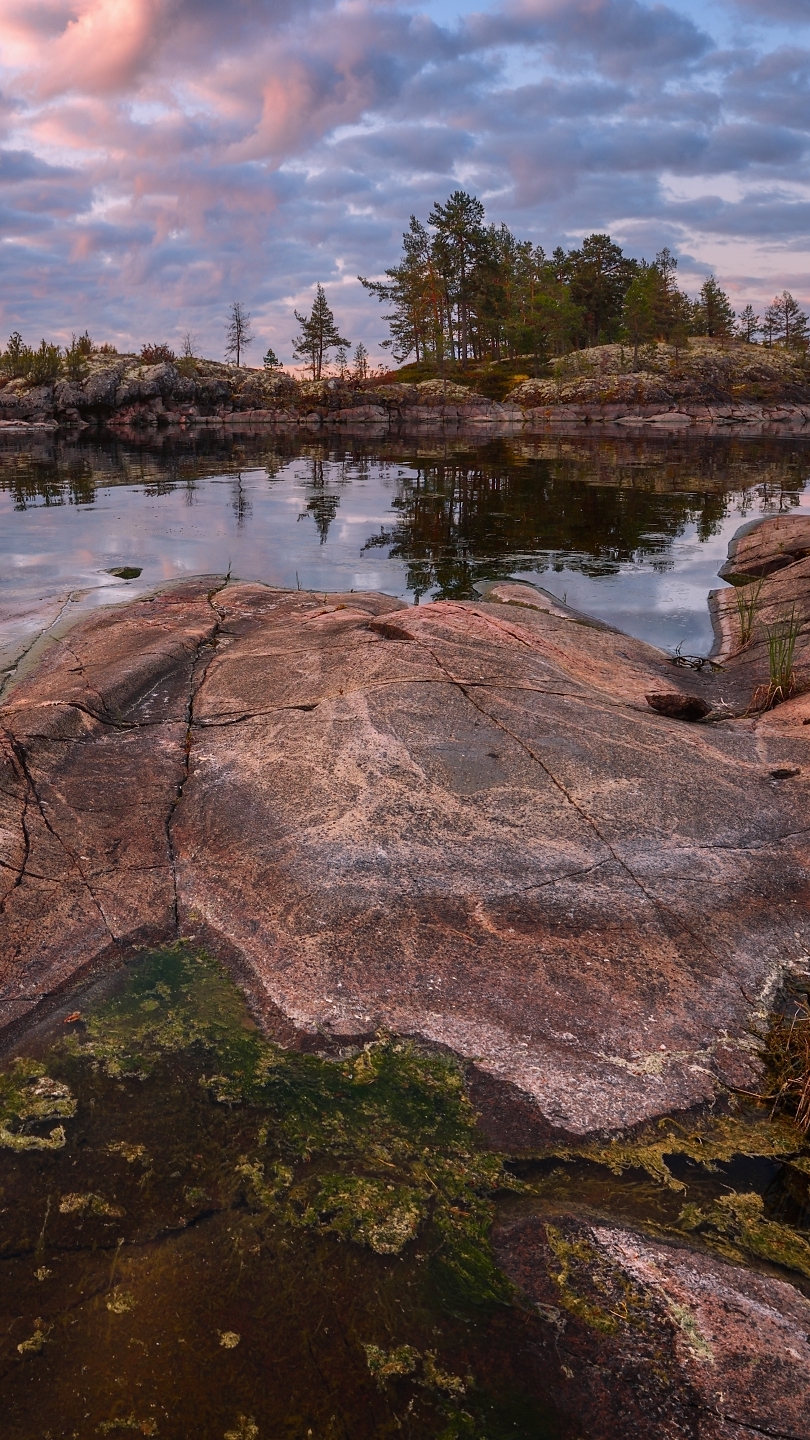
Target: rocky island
[[702, 386], [503, 830]]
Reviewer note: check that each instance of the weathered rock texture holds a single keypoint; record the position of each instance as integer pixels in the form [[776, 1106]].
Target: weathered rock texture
[[653, 1339], [459, 821]]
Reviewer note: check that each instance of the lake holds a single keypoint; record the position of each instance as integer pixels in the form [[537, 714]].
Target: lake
[[630, 529]]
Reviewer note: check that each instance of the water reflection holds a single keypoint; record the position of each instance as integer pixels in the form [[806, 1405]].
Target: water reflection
[[631, 529]]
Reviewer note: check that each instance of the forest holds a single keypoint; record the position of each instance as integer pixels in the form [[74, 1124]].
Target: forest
[[464, 290]]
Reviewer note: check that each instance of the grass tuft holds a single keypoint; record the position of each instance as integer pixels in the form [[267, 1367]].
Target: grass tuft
[[747, 599]]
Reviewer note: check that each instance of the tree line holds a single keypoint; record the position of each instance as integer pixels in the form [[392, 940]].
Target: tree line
[[466, 290]]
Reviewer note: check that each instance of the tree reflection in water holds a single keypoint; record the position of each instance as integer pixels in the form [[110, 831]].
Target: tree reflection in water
[[465, 519]]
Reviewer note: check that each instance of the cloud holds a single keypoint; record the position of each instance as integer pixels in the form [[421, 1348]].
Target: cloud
[[162, 156]]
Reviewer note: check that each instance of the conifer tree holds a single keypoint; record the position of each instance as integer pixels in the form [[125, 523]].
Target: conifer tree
[[713, 315], [748, 324], [318, 335], [238, 334], [641, 303], [785, 319]]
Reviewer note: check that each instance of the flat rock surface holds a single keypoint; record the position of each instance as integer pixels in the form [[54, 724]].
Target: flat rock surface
[[658, 1339], [460, 821]]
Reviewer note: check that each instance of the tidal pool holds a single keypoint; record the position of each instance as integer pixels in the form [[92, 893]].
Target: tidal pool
[[204, 1234]]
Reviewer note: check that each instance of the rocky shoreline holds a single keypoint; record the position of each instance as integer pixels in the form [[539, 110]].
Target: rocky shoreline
[[512, 833], [123, 396]]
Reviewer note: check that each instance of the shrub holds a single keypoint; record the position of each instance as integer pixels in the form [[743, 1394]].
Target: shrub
[[45, 364], [157, 354], [76, 353], [17, 356]]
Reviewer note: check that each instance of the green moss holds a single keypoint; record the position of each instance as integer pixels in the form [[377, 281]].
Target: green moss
[[386, 1364], [30, 1097], [740, 1227], [371, 1147], [710, 1140], [578, 1261], [376, 1213], [89, 1204]]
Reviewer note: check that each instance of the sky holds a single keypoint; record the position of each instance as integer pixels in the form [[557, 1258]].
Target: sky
[[162, 158]]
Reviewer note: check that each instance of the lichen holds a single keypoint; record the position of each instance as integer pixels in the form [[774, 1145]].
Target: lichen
[[246, 1429], [35, 1343], [120, 1301], [147, 1426], [689, 1328], [129, 1152], [404, 1360], [376, 1213], [577, 1258], [387, 1364]]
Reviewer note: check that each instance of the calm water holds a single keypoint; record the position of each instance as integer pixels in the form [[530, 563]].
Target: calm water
[[631, 530]]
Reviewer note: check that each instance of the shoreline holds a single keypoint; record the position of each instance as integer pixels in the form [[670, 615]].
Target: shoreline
[[475, 419]]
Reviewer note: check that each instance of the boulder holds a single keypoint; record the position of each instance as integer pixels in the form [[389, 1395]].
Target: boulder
[[460, 821], [68, 395], [158, 380], [99, 389], [764, 545], [212, 392], [647, 1338], [679, 707]]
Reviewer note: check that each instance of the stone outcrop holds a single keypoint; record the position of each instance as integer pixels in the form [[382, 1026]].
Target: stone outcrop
[[704, 389], [461, 821], [651, 1339]]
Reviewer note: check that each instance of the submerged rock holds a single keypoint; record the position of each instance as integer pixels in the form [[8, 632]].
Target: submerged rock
[[460, 821], [653, 1339]]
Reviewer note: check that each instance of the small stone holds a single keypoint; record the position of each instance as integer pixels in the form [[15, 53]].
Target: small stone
[[679, 707]]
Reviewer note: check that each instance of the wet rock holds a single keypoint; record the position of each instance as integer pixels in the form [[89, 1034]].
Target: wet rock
[[678, 706], [458, 821], [650, 1339]]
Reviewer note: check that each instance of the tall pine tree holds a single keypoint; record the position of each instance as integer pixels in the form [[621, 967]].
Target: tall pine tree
[[319, 334]]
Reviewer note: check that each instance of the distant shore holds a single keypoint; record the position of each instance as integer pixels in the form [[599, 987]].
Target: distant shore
[[703, 387]]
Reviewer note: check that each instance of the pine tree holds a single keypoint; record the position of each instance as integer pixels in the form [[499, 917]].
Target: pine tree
[[785, 319], [640, 306], [714, 316], [748, 324], [360, 362], [238, 331], [318, 335], [599, 276], [270, 360]]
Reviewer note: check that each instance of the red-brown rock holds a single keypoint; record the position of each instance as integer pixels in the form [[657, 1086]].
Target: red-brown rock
[[460, 821], [645, 1338]]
